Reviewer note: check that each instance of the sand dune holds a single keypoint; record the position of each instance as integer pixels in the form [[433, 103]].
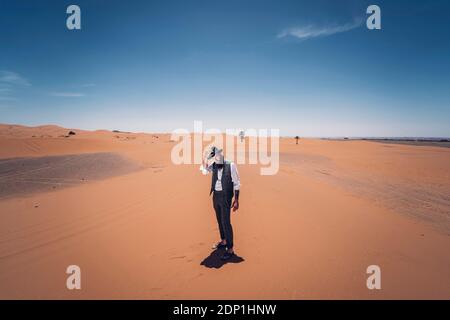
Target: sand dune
[[310, 231], [411, 180]]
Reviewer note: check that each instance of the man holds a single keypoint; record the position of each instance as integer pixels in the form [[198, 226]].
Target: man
[[224, 184]]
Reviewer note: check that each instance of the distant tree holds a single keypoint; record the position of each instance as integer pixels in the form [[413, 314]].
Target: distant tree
[[242, 135], [71, 133], [296, 139]]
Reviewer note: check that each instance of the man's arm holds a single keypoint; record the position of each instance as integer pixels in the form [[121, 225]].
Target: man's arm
[[204, 168], [236, 186]]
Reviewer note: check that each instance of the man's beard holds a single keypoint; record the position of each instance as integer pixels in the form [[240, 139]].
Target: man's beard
[[219, 165]]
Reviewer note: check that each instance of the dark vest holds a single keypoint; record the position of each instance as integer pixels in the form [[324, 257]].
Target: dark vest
[[227, 181]]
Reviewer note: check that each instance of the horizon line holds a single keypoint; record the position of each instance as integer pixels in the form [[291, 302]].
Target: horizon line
[[349, 137]]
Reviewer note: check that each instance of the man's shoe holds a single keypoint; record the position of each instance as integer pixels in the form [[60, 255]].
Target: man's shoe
[[218, 245], [227, 255]]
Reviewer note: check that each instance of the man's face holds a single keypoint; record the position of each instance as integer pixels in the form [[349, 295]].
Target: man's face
[[218, 159]]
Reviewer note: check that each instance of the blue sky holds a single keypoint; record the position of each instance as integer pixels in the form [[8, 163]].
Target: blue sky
[[308, 68]]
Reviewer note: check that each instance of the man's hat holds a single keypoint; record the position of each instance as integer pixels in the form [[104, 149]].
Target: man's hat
[[213, 152]]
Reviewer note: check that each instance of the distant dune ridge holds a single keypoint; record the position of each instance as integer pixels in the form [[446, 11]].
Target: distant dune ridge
[[140, 227], [18, 131]]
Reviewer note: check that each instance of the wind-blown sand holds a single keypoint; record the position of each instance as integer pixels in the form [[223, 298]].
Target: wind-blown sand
[[21, 176], [334, 208]]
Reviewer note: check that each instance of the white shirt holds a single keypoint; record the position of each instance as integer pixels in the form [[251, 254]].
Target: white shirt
[[234, 176]]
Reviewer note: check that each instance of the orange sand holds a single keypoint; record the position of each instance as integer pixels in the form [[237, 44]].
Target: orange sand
[[309, 232]]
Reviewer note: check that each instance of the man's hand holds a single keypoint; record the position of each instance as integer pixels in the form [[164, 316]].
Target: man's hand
[[235, 205]]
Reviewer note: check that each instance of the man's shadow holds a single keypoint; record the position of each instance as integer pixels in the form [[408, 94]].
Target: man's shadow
[[214, 261]]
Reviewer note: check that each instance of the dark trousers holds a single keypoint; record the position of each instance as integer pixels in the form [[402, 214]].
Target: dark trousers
[[222, 206]]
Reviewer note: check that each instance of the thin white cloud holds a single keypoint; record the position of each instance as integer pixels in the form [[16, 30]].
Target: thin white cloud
[[5, 93], [311, 31], [68, 94], [13, 78], [5, 90], [7, 98], [88, 85]]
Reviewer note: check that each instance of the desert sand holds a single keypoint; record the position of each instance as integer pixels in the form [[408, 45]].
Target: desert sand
[[141, 227]]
